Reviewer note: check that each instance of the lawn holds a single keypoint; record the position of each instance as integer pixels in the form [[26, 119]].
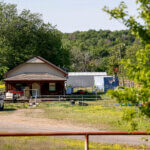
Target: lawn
[[53, 143], [103, 115], [99, 115]]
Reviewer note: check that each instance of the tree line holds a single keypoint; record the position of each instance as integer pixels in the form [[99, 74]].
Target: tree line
[[99, 50], [24, 35]]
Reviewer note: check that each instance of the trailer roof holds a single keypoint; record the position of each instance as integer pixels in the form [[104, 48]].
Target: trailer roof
[[87, 74]]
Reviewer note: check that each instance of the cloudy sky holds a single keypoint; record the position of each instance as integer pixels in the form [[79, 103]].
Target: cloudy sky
[[73, 15]]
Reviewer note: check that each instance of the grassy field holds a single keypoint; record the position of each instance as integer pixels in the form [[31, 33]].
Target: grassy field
[[101, 115], [53, 143]]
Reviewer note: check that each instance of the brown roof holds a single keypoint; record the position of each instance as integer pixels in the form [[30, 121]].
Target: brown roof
[[35, 77], [42, 59]]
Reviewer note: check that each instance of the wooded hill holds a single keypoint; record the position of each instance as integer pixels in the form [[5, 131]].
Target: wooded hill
[[24, 35], [99, 50]]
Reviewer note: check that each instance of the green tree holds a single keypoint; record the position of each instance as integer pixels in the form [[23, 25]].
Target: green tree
[[102, 47], [138, 69], [140, 30], [24, 35]]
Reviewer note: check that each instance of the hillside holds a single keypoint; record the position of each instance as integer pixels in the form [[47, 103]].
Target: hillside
[[99, 50]]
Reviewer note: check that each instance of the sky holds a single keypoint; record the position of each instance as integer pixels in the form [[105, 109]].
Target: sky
[[75, 15]]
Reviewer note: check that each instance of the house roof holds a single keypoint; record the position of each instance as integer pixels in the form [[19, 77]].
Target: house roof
[[40, 61], [35, 77]]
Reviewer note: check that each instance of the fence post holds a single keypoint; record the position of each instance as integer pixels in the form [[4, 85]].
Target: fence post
[[96, 95], [86, 142]]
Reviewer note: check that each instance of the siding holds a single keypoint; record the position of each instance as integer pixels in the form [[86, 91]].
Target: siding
[[80, 81], [35, 68]]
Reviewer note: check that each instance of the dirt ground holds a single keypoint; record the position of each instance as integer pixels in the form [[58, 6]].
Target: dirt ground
[[19, 121]]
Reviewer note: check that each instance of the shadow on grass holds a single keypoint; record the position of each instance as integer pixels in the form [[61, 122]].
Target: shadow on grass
[[9, 109]]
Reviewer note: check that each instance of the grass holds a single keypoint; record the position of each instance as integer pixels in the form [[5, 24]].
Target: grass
[[97, 115], [101, 115], [55, 143]]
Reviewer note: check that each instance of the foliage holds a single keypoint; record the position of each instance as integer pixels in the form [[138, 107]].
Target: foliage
[[24, 35], [98, 50], [2, 87], [138, 69], [140, 30]]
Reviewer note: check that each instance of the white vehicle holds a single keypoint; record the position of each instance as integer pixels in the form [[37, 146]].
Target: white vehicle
[[1, 102]]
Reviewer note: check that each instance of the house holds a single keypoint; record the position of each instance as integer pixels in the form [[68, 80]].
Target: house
[[36, 76]]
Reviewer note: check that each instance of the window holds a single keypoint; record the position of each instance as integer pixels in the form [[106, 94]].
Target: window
[[52, 86]]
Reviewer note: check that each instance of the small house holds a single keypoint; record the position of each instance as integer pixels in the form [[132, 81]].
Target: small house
[[36, 76]]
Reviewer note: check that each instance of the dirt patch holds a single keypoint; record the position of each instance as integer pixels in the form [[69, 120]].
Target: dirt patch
[[18, 121], [31, 118]]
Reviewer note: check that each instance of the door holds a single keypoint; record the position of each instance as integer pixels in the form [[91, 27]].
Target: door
[[35, 90]]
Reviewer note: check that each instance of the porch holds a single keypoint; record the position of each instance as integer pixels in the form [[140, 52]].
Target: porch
[[36, 88], [36, 84]]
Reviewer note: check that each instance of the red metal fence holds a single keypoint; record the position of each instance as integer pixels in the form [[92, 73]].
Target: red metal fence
[[86, 134]]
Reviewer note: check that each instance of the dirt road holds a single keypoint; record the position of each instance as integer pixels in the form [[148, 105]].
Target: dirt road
[[19, 121]]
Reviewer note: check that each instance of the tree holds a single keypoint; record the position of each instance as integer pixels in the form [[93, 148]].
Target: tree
[[103, 48], [140, 30], [24, 35], [81, 60], [138, 69]]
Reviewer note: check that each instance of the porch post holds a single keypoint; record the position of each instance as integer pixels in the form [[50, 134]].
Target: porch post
[[30, 88], [6, 87], [40, 88], [63, 87]]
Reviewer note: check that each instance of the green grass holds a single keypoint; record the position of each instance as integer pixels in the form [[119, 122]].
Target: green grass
[[16, 106], [97, 115], [53, 143], [102, 115]]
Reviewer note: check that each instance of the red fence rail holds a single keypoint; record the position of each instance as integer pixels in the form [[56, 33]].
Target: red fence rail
[[86, 134], [71, 133]]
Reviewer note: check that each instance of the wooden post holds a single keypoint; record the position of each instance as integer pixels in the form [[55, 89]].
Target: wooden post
[[86, 142], [6, 87], [40, 89], [63, 84]]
